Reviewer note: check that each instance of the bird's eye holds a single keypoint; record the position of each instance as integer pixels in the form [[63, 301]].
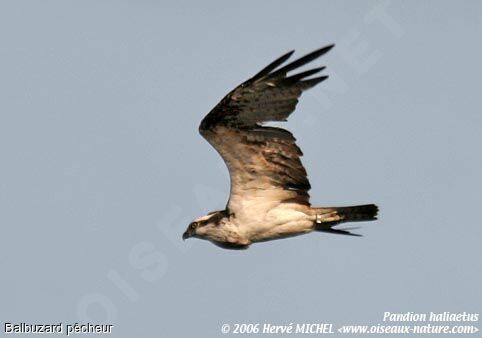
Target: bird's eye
[[194, 225]]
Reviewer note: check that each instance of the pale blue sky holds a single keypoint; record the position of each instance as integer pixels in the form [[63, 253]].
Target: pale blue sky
[[102, 167]]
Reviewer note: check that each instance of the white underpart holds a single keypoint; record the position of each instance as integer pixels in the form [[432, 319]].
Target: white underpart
[[266, 219]]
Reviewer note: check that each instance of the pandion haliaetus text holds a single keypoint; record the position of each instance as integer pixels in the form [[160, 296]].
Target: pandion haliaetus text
[[269, 185]]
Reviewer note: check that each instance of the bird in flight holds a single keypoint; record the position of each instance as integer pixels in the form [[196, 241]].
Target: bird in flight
[[269, 185]]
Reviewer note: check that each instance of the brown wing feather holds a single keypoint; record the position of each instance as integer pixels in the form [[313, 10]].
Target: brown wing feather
[[263, 162], [264, 167], [268, 96]]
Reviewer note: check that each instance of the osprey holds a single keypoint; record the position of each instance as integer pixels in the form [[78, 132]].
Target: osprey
[[269, 185]]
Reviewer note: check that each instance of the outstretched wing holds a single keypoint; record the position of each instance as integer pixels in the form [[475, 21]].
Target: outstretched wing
[[264, 162]]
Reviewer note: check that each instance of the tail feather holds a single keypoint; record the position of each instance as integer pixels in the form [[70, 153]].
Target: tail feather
[[358, 213], [327, 218]]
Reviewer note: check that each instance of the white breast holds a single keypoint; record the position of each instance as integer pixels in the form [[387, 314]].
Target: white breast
[[283, 220]]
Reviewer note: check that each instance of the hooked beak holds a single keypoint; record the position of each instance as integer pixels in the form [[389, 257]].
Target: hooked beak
[[186, 235]]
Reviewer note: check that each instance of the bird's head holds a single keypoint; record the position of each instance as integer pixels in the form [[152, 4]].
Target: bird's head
[[204, 227], [217, 228], [191, 230]]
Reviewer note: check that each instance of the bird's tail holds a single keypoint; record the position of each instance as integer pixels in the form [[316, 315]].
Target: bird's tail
[[367, 212], [326, 218]]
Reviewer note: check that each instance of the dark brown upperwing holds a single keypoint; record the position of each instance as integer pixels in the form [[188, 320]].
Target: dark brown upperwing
[[264, 162], [270, 95]]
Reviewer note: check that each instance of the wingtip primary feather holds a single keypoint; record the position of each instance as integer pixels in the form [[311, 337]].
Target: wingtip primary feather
[[257, 91], [273, 65], [303, 60], [314, 81], [302, 75]]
